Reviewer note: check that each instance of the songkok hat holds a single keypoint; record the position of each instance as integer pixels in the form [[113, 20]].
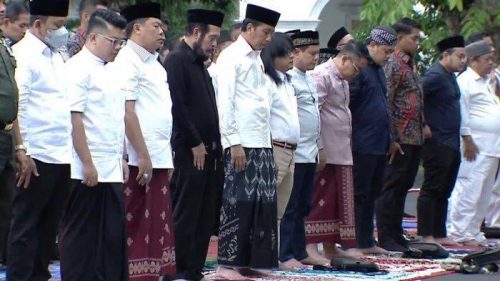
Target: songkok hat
[[478, 49], [293, 31], [336, 37], [262, 14], [326, 53], [450, 42], [205, 16], [143, 10], [305, 38], [51, 8], [384, 35]]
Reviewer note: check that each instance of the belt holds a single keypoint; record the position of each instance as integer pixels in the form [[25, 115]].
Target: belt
[[285, 145], [6, 126]]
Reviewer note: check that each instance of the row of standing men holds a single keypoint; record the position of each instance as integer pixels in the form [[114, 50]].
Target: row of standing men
[[271, 146]]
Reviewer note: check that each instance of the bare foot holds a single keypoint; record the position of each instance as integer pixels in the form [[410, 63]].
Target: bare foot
[[350, 253], [229, 274], [254, 272], [329, 250], [312, 251], [428, 239], [474, 243], [314, 261], [445, 241], [375, 250], [291, 264]]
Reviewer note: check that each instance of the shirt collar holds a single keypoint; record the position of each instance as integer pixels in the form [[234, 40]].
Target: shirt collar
[[37, 45], [143, 54], [403, 57], [85, 51], [192, 55], [298, 71], [335, 69], [245, 47], [474, 75]]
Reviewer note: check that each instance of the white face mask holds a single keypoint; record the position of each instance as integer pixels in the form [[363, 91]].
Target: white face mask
[[57, 38]]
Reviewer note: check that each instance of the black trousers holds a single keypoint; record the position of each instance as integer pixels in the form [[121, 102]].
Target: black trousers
[[36, 214], [93, 241], [368, 174], [399, 178], [441, 165], [292, 228], [7, 185], [196, 200]]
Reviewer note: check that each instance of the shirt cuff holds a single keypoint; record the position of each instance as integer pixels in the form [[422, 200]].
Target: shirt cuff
[[465, 131], [233, 139]]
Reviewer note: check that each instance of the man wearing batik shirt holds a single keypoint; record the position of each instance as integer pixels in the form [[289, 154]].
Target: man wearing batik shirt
[[148, 127], [248, 227], [371, 130], [405, 99]]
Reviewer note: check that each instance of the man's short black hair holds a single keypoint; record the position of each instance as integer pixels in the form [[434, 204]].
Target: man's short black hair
[[101, 19], [16, 8], [405, 25], [91, 3], [246, 22], [203, 27], [356, 48], [34, 18], [130, 26]]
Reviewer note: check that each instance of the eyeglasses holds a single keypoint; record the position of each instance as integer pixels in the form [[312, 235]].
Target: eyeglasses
[[356, 68], [116, 42]]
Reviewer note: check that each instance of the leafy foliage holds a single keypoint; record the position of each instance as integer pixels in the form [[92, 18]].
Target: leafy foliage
[[176, 11], [439, 18]]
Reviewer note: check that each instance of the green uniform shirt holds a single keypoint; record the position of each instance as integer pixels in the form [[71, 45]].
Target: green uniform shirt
[[8, 87]]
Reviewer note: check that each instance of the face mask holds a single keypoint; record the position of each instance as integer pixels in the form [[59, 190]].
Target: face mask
[[57, 38]]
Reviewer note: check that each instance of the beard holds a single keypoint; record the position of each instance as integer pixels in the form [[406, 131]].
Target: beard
[[198, 50]]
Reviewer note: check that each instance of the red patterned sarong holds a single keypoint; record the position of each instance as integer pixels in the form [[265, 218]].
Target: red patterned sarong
[[332, 210], [150, 233]]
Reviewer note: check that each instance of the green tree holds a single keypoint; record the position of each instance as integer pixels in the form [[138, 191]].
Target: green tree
[[439, 18], [176, 11]]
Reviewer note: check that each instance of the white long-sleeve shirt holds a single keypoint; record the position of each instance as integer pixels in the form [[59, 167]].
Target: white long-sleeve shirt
[[243, 97], [95, 93], [480, 110], [285, 125], [44, 115], [144, 80]]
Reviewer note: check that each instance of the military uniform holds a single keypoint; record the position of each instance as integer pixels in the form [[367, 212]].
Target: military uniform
[[8, 113]]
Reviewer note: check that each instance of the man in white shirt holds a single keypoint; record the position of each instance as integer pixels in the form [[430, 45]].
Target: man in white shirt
[[44, 120], [248, 232], [148, 127], [93, 229], [480, 131], [285, 129], [293, 233]]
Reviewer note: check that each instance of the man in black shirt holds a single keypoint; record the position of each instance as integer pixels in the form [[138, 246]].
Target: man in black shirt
[[198, 174]]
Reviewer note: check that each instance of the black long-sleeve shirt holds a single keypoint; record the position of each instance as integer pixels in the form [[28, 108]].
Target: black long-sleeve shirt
[[194, 108]]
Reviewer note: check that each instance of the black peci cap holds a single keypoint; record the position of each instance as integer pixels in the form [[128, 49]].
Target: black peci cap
[[262, 14], [205, 16], [143, 10]]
